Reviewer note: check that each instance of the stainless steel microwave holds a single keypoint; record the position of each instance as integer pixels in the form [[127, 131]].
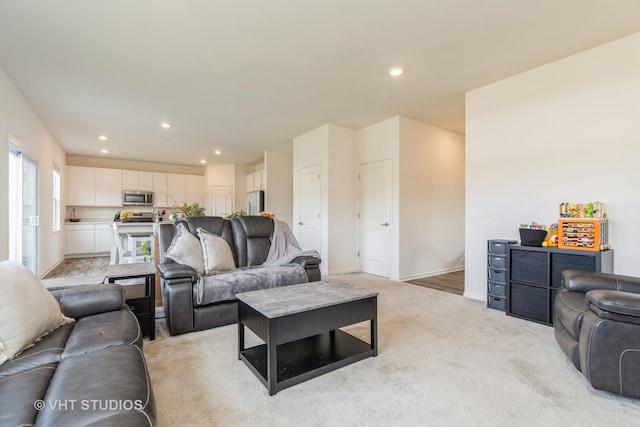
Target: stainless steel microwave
[[137, 198]]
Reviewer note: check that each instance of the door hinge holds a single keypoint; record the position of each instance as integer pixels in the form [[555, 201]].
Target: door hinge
[[358, 215], [358, 254]]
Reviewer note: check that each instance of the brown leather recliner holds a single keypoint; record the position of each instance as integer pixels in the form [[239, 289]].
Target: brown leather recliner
[[597, 325]]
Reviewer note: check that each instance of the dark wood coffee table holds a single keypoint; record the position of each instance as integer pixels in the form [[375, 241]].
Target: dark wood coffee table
[[299, 326]]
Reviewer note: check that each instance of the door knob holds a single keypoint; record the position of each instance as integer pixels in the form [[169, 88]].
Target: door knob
[[301, 223], [386, 224]]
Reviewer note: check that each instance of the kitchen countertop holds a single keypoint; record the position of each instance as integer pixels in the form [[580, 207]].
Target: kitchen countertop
[[93, 221]]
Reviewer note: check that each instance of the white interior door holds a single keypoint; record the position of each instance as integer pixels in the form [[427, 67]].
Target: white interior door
[[375, 218], [222, 200], [309, 202]]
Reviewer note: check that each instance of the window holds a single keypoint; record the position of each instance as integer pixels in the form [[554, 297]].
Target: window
[[56, 198]]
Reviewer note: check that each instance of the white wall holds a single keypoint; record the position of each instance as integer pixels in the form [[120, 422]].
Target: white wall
[[18, 120], [342, 206], [564, 132], [427, 225], [278, 185], [381, 141], [333, 148], [431, 202]]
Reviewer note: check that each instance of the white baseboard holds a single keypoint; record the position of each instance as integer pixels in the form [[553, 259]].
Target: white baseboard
[[345, 271], [52, 268], [431, 273]]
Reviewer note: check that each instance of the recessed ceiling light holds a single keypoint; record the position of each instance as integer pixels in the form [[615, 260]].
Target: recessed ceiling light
[[395, 71], [105, 151], [165, 125], [102, 138], [217, 152], [203, 161]]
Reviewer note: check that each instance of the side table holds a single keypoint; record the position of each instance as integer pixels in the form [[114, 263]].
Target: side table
[[138, 280]]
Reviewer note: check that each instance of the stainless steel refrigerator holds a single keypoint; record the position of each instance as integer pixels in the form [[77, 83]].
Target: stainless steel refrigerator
[[255, 202]]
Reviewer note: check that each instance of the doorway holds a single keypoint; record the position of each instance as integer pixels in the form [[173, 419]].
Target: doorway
[[221, 200], [23, 208], [374, 218], [309, 202]]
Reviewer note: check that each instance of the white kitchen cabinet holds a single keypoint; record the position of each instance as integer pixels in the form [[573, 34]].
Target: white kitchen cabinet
[[104, 236], [108, 187], [254, 181], [160, 190], [80, 239], [176, 189], [137, 180], [194, 189], [94, 186], [81, 186], [89, 238]]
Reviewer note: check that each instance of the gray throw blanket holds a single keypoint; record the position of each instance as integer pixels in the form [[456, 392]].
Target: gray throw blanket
[[284, 246], [224, 286]]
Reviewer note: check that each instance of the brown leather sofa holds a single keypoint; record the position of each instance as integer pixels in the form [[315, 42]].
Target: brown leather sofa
[[249, 238], [90, 372], [597, 325]]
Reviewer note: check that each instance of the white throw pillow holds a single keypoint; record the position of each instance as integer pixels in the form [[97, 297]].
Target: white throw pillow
[[28, 311], [216, 252], [185, 249]]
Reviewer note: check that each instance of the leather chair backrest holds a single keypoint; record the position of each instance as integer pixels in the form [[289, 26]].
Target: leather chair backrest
[[165, 236], [215, 225], [252, 237]]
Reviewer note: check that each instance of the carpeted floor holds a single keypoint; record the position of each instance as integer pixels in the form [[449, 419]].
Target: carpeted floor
[[444, 360]]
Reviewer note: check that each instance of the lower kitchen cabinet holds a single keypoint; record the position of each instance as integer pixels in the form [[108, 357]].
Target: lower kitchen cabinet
[[88, 238]]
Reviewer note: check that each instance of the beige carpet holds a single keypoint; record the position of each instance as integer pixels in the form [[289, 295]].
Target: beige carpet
[[443, 361]]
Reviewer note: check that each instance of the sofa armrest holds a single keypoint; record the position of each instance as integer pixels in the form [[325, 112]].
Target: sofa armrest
[[86, 300], [616, 305], [171, 272], [311, 264], [585, 281], [307, 261]]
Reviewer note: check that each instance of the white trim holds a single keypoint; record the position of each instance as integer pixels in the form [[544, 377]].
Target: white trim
[[431, 273]]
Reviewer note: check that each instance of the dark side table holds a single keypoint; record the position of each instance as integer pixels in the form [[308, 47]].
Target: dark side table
[[138, 280]]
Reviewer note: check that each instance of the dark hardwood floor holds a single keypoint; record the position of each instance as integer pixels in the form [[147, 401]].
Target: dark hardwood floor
[[449, 282]]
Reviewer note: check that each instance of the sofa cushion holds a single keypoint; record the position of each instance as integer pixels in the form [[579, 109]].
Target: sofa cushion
[[103, 330], [569, 308], [105, 383], [28, 311], [19, 392], [225, 286], [185, 249], [216, 252], [45, 352]]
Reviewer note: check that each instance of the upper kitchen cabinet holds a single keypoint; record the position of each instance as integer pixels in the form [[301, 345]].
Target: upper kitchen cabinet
[[176, 189], [108, 187], [94, 186], [137, 180], [254, 181], [81, 186], [160, 190], [194, 190]]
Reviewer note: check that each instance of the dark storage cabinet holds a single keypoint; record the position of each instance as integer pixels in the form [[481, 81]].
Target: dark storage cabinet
[[534, 275], [497, 266]]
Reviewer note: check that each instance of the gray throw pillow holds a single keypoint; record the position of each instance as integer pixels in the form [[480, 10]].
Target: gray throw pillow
[[185, 249], [216, 252]]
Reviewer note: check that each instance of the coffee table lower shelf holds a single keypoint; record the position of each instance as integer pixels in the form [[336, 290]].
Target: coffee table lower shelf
[[307, 358]]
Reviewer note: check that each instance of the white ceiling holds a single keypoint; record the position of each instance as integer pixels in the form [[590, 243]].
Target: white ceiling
[[245, 76]]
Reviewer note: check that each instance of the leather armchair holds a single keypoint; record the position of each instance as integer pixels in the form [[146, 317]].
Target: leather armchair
[[597, 325]]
